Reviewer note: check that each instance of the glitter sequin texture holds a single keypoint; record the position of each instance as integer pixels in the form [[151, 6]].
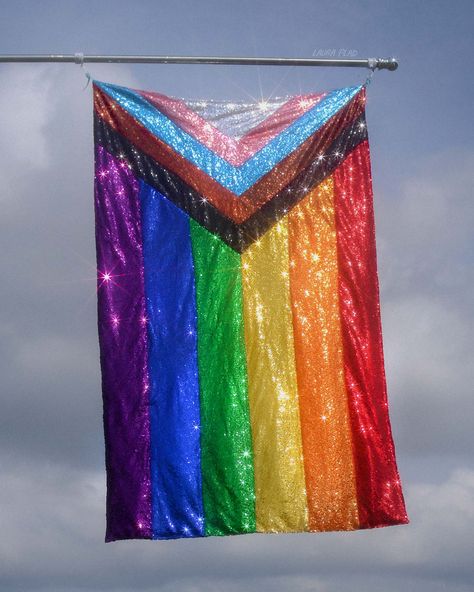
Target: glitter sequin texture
[[239, 324]]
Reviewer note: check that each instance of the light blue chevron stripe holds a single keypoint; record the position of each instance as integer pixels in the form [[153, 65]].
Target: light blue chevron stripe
[[236, 179]]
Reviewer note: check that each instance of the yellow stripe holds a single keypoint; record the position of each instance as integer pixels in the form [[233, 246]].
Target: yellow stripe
[[325, 423], [273, 396]]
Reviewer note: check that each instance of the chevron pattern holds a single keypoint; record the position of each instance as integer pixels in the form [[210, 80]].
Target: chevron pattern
[[241, 191], [241, 350]]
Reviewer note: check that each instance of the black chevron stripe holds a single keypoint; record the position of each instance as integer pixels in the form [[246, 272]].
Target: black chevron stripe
[[238, 236]]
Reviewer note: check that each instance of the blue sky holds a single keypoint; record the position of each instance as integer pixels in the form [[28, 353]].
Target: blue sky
[[421, 137]]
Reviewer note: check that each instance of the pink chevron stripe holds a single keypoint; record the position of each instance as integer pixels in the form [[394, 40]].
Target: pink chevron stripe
[[236, 152]]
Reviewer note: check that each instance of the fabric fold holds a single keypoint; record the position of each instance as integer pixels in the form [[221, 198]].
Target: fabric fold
[[240, 338]]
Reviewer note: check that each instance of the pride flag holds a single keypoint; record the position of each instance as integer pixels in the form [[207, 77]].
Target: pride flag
[[238, 309]]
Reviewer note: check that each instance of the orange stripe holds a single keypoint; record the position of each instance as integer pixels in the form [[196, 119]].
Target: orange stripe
[[324, 413]]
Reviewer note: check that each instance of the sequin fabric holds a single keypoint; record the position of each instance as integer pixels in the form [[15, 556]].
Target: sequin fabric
[[239, 320]]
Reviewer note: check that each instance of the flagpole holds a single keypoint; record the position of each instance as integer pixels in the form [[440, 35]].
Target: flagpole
[[79, 58]]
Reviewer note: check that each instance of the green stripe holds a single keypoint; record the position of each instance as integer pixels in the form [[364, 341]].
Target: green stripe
[[226, 439]]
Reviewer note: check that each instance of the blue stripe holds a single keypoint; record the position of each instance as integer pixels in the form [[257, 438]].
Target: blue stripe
[[177, 509], [236, 179]]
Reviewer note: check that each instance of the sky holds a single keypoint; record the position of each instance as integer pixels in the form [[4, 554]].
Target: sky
[[52, 494]]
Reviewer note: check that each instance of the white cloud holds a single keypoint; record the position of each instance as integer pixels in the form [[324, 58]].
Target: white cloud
[[34, 99], [25, 107], [49, 352], [428, 349], [53, 527], [425, 266], [424, 227]]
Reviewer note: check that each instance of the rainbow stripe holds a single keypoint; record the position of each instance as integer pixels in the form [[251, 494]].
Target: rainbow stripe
[[239, 325]]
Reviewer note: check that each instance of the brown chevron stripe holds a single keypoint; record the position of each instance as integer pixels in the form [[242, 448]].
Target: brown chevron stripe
[[237, 236], [238, 209], [276, 208]]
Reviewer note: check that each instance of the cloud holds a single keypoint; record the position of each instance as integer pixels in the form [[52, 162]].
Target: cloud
[[424, 226], [25, 109], [51, 404], [53, 528], [52, 407], [428, 349], [425, 244]]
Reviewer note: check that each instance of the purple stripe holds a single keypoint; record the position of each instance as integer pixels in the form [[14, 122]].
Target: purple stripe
[[123, 349]]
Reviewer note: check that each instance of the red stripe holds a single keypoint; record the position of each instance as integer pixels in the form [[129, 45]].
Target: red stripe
[[380, 497]]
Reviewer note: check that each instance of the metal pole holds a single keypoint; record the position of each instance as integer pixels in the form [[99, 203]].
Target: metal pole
[[79, 58]]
